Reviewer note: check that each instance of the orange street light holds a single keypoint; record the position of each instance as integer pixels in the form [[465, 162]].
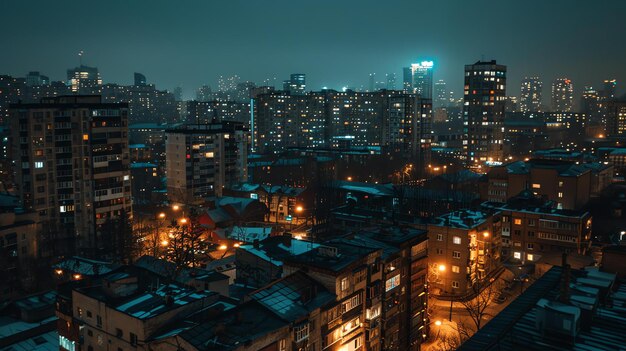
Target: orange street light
[[442, 268], [438, 323], [349, 179], [175, 207], [161, 215], [183, 220], [486, 234], [164, 243], [299, 209], [223, 247]]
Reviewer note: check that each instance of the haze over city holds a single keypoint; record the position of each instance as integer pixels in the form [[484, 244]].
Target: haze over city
[[336, 43], [234, 175]]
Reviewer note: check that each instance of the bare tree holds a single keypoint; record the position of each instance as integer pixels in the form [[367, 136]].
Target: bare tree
[[452, 339], [188, 244], [477, 307]]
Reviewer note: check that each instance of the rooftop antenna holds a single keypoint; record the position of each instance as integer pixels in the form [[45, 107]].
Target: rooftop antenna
[[80, 57]]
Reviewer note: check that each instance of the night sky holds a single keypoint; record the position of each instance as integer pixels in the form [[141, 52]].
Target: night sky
[[336, 43]]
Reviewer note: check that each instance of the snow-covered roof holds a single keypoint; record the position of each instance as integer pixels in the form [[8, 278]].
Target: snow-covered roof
[[85, 266]]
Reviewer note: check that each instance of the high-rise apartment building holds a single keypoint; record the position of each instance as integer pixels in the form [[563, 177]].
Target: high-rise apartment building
[[35, 78], [392, 120], [530, 98], [202, 159], [72, 167], [418, 79], [84, 80], [140, 79], [562, 95], [391, 81], [483, 112], [297, 83], [441, 99], [616, 118]]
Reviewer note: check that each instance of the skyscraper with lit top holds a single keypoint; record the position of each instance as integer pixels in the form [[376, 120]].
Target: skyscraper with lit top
[[418, 79], [483, 112], [562, 95]]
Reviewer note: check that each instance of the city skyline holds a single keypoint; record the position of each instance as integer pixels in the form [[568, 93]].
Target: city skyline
[[174, 47]]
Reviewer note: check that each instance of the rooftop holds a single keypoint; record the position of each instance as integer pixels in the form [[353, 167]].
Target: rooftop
[[334, 255], [293, 296], [231, 330], [148, 304], [602, 327], [463, 219], [276, 249]]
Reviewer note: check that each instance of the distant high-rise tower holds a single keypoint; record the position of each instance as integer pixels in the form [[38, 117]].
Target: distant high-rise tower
[[441, 98], [391, 81], [140, 79], [178, 94], [530, 98], [608, 89], [562, 95], [483, 112], [84, 79], [36, 79], [420, 76], [297, 83], [203, 93], [590, 105], [372, 82], [407, 80]]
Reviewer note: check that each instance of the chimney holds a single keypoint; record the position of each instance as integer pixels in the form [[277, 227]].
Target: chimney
[[565, 280]]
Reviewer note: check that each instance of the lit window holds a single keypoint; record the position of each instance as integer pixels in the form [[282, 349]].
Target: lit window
[[530, 257], [560, 184], [302, 332], [85, 136], [456, 240], [209, 154], [536, 186], [517, 255], [39, 164], [560, 195], [126, 177], [344, 284], [517, 221], [456, 269], [392, 282]]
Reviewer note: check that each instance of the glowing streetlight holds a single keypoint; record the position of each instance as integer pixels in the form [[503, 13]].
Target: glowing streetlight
[[486, 234], [349, 179], [236, 245], [183, 220], [175, 207], [58, 271], [442, 268], [161, 215], [164, 243], [223, 247], [299, 209], [77, 276], [438, 323]]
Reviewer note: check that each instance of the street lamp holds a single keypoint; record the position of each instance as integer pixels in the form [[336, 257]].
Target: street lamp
[[183, 220], [442, 268], [175, 207], [161, 215]]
